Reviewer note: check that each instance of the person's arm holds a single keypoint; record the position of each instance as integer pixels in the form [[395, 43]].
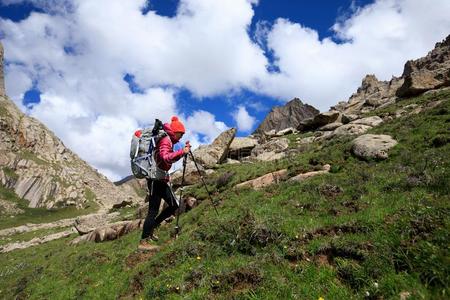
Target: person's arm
[[167, 155]]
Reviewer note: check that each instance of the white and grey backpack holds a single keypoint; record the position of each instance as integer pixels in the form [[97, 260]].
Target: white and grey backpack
[[143, 144]]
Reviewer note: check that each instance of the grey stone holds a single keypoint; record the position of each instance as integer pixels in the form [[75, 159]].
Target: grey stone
[[373, 146], [289, 115], [369, 121], [215, 153]]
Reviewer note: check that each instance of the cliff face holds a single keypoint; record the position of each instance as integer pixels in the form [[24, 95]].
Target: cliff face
[[39, 168], [289, 115]]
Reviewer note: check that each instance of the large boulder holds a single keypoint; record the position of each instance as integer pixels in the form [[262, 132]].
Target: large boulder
[[109, 232], [265, 180], [351, 129], [373, 146], [427, 73], [300, 177], [213, 154], [319, 120], [331, 126], [270, 156], [369, 121], [289, 115], [286, 131], [275, 145], [241, 147]]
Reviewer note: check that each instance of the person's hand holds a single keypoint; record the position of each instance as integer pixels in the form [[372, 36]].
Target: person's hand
[[187, 148]]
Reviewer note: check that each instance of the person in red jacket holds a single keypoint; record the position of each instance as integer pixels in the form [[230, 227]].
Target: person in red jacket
[[164, 157]]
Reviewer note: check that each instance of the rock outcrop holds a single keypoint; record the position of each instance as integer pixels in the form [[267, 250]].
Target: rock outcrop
[[215, 153], [318, 120], [40, 169], [109, 232], [265, 180], [300, 177], [241, 147], [372, 94], [427, 73], [373, 146], [289, 115]]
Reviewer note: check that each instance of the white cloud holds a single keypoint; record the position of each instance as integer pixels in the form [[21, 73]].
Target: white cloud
[[79, 52], [203, 123], [378, 39], [244, 121]]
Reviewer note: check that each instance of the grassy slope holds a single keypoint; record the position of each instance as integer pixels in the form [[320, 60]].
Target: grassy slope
[[37, 215], [369, 229]]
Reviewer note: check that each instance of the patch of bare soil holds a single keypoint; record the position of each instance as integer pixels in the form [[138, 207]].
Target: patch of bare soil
[[330, 191], [329, 254], [237, 281], [295, 251], [138, 257]]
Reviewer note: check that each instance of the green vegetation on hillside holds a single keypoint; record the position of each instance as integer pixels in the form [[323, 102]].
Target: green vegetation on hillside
[[369, 229], [40, 214]]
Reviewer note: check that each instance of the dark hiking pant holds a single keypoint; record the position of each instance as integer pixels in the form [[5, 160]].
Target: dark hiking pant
[[158, 189]]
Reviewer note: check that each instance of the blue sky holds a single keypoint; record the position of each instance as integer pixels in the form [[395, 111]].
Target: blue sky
[[314, 14], [93, 71]]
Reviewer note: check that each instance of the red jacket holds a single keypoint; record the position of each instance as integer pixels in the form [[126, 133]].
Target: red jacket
[[164, 154]]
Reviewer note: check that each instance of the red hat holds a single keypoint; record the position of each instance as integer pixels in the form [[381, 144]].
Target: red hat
[[177, 126]]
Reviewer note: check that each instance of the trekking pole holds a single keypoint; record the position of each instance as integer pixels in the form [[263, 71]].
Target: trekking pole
[[177, 227], [204, 183]]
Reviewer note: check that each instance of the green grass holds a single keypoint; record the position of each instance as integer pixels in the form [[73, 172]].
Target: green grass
[[26, 236], [369, 229], [10, 173]]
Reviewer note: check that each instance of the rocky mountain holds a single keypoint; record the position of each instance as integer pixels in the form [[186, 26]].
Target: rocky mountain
[[429, 72], [289, 115], [40, 169], [420, 75]]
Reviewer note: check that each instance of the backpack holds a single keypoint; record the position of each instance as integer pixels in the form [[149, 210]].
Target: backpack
[[143, 144]]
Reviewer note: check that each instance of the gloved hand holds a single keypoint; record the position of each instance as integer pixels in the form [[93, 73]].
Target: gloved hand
[[187, 147]]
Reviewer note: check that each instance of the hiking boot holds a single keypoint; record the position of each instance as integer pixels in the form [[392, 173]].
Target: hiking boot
[[153, 237], [147, 246]]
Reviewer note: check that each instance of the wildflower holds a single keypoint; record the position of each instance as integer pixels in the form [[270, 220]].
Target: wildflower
[[321, 298], [198, 258], [375, 284]]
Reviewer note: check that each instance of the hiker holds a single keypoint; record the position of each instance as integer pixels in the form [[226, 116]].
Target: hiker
[[159, 186]]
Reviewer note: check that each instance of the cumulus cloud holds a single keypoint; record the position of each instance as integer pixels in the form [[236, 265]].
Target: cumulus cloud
[[79, 58], [78, 52], [244, 121], [202, 123], [376, 39]]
